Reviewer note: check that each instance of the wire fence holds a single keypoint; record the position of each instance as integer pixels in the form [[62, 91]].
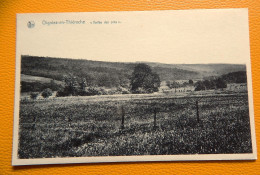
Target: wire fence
[[156, 106], [195, 103]]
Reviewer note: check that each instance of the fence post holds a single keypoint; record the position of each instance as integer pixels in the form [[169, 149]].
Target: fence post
[[34, 122], [154, 118], [69, 121], [123, 117], [197, 107]]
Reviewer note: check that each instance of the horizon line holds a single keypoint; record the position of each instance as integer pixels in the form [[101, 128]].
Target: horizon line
[[84, 59]]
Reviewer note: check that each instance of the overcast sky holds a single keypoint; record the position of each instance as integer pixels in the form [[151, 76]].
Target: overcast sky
[[183, 36]]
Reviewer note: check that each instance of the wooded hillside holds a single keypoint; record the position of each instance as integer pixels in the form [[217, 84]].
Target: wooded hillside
[[112, 74]]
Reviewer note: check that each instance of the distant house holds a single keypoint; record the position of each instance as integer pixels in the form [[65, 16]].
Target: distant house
[[184, 89], [237, 87]]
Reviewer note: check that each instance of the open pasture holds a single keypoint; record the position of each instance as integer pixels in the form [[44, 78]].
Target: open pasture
[[78, 127]]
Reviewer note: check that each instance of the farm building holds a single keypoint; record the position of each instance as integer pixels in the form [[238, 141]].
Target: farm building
[[178, 90], [181, 81], [237, 87], [184, 89]]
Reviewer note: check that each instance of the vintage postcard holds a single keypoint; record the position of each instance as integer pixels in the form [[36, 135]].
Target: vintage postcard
[[133, 86]]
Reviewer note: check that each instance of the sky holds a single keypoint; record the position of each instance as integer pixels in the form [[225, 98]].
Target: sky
[[172, 37]]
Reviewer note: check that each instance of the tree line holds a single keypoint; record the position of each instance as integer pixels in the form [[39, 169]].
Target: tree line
[[211, 82], [142, 80], [222, 81], [216, 83]]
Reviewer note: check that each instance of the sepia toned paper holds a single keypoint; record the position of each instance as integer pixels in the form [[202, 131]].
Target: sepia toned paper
[[133, 86]]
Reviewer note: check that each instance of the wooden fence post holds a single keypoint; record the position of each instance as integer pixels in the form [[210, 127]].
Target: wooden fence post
[[197, 107], [34, 122], [123, 117], [69, 121], [154, 117]]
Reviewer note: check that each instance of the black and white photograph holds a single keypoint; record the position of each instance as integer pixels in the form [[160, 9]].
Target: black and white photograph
[[133, 86]]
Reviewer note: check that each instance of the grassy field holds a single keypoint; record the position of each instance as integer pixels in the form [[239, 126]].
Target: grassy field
[[29, 78], [91, 126]]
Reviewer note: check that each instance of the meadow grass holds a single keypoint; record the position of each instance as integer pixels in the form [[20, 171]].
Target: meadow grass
[[64, 127]]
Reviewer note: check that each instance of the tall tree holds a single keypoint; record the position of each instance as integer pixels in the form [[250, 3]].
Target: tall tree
[[71, 85], [144, 80]]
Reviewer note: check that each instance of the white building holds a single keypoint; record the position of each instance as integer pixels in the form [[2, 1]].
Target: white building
[[238, 87]]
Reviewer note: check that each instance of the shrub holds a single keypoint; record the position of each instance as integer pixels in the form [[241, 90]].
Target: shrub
[[200, 86], [125, 92], [103, 91], [111, 92], [82, 93], [47, 92], [122, 90], [220, 83], [34, 95], [92, 91], [60, 93]]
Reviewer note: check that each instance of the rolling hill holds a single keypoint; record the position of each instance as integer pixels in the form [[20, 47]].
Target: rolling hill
[[113, 74]]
